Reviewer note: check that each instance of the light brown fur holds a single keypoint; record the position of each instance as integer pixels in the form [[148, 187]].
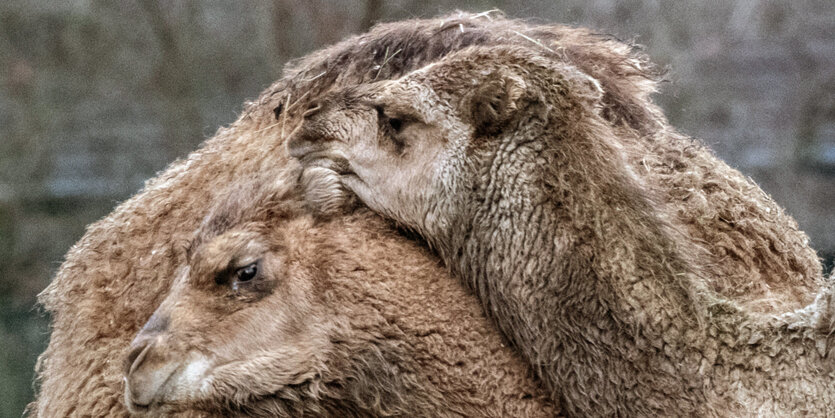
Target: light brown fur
[[121, 270], [328, 326], [572, 227], [747, 235]]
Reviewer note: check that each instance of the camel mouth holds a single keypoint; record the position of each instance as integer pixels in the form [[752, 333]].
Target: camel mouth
[[332, 161], [169, 382], [148, 391], [135, 408]]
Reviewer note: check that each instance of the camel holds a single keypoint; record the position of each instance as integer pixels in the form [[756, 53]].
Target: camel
[[123, 267], [508, 163], [276, 314]]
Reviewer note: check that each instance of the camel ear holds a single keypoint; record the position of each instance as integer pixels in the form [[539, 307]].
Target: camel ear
[[495, 101]]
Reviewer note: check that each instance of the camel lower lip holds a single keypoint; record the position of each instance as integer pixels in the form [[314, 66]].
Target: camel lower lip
[[135, 407], [339, 166]]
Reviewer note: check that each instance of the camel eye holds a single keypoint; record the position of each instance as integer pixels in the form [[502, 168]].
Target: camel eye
[[396, 124], [252, 282], [245, 274]]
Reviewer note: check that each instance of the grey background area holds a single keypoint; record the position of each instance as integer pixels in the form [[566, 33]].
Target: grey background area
[[97, 96]]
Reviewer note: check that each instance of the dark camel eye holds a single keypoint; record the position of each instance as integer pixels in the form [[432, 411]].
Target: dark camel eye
[[245, 274], [396, 124]]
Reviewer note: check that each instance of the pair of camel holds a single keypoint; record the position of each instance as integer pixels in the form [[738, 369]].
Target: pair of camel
[[630, 271]]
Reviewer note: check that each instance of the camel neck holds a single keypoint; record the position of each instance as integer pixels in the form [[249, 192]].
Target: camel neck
[[578, 254]]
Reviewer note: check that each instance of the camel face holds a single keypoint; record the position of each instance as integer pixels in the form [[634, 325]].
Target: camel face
[[396, 145], [411, 148], [239, 322]]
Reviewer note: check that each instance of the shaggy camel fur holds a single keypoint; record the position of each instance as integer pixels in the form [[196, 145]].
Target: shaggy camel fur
[[278, 315], [756, 254], [121, 269], [509, 164], [115, 276]]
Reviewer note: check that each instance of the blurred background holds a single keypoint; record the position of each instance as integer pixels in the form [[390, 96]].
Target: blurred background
[[97, 96]]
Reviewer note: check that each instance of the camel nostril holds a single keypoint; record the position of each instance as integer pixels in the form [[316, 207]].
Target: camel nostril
[[305, 141], [138, 352], [299, 147]]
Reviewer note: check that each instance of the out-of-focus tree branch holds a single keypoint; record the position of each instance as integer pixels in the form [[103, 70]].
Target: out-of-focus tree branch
[[282, 22], [176, 77], [373, 14]]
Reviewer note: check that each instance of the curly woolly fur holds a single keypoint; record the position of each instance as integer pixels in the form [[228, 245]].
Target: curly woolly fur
[[757, 255], [114, 277], [402, 337], [121, 269], [637, 272], [565, 221]]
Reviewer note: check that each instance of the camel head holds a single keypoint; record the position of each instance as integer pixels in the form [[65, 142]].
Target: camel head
[[424, 149], [241, 320]]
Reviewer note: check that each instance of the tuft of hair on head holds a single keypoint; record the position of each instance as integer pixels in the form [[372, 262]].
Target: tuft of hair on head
[[269, 196]]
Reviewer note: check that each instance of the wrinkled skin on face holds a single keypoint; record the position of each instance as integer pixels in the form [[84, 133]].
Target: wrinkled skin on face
[[415, 149]]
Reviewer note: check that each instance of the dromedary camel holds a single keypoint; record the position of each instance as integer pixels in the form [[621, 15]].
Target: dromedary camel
[[507, 162]]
